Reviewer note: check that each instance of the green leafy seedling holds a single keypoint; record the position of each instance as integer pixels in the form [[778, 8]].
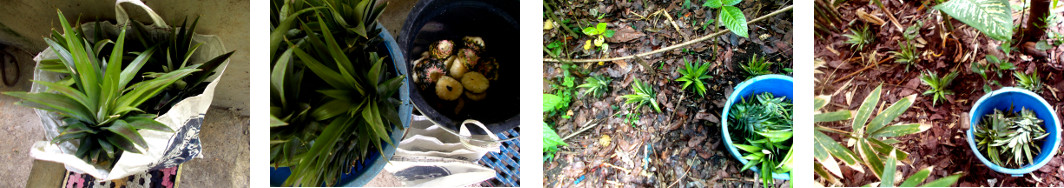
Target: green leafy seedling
[[642, 94], [1028, 82], [596, 85], [756, 66], [600, 33], [859, 38], [693, 75], [730, 16], [938, 85]]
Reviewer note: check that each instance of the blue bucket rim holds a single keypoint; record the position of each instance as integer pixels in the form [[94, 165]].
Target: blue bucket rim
[[727, 106], [1025, 169], [377, 162]]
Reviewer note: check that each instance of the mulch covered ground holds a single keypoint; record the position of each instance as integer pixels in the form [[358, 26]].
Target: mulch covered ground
[[849, 75], [681, 146]]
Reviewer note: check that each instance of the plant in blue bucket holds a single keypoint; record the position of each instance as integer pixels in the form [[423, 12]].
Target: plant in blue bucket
[[1012, 136], [334, 100], [763, 124], [1014, 131], [758, 130]]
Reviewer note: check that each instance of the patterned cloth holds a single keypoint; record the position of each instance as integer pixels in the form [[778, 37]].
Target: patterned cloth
[[167, 177]]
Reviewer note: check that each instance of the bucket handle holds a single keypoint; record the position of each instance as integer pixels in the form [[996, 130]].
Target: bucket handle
[[123, 17]]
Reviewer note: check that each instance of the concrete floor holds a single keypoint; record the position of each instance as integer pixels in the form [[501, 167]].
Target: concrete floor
[[224, 135]]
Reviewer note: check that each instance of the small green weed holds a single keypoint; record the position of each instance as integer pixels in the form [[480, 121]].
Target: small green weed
[[693, 75], [1028, 82], [756, 66], [860, 37], [938, 85], [642, 93], [595, 85]]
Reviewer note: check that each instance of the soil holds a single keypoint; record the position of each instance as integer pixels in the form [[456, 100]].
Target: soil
[[680, 146], [944, 145]]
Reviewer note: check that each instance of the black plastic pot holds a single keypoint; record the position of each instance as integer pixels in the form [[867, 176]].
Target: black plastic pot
[[496, 22]]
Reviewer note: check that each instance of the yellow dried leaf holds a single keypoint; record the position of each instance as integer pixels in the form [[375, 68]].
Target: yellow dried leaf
[[548, 25], [605, 140], [587, 45]]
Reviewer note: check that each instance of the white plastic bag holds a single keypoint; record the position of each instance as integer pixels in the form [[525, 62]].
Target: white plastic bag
[[431, 155], [164, 149]]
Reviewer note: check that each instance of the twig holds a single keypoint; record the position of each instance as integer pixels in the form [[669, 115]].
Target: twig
[[718, 33], [675, 27], [550, 12], [626, 171], [586, 127], [891, 16], [862, 70], [685, 172]]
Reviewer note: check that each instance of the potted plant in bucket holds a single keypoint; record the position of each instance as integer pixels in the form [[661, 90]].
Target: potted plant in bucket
[[1013, 131], [758, 129], [337, 107]]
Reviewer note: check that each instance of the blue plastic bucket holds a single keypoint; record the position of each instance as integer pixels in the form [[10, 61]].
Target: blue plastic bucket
[[1004, 98], [778, 85], [367, 169]]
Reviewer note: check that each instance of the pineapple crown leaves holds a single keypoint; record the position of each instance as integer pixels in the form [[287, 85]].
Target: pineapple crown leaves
[[353, 107], [938, 85], [97, 101], [642, 93], [693, 74], [1010, 135], [595, 85]]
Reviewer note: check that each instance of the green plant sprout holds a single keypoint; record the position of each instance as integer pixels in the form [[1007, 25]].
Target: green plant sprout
[[730, 16], [993, 66], [600, 33], [1010, 135], [906, 55], [756, 66], [693, 75], [642, 94], [595, 85], [938, 85], [1028, 82], [859, 38]]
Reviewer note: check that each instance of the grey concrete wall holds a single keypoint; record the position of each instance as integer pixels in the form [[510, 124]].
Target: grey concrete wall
[[24, 23]]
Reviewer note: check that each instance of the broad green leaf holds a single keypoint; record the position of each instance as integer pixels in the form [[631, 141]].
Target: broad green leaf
[[944, 182], [992, 17], [819, 102], [139, 123], [866, 109], [888, 171], [834, 148], [832, 116], [888, 115], [870, 157], [713, 3], [900, 130], [550, 102], [123, 129], [551, 138], [917, 178], [733, 19], [730, 2]]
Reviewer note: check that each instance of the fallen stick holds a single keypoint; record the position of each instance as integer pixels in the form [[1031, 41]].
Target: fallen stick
[[718, 33], [862, 70]]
